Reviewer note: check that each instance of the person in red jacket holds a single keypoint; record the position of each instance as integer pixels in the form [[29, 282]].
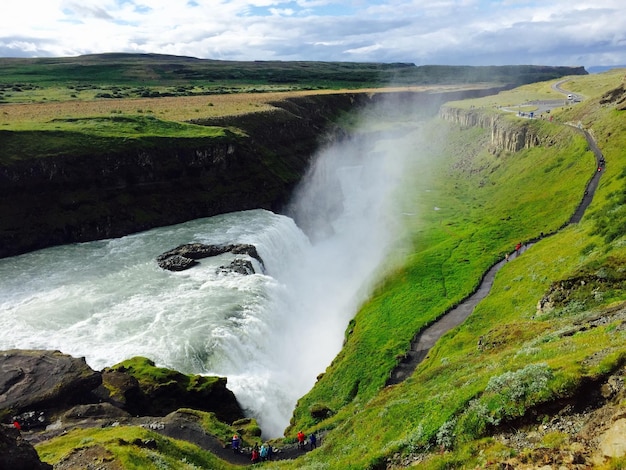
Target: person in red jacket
[[301, 439], [255, 454]]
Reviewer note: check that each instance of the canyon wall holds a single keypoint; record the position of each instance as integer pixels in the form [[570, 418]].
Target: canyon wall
[[506, 135], [77, 197]]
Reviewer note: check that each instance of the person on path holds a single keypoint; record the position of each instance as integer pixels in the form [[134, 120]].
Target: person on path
[[518, 248], [255, 454], [313, 441], [301, 439], [263, 452], [236, 444]]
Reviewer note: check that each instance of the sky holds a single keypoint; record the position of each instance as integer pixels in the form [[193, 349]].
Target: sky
[[424, 32]]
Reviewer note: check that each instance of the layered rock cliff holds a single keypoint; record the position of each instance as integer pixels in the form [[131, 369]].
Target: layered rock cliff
[[505, 135], [76, 197]]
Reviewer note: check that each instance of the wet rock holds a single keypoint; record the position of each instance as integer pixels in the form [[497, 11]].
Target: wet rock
[[239, 266], [176, 263], [194, 251]]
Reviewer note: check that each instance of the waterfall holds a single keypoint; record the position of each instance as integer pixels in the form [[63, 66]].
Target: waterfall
[[270, 333]]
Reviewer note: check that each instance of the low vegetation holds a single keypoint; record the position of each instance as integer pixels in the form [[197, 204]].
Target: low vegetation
[[131, 447]]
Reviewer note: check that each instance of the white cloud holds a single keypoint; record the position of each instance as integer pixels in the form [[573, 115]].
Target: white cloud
[[576, 32]]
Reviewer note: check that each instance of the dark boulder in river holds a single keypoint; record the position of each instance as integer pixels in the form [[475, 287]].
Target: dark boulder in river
[[171, 260], [176, 263], [239, 266]]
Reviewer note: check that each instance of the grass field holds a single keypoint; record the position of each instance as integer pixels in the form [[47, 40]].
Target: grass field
[[30, 115]]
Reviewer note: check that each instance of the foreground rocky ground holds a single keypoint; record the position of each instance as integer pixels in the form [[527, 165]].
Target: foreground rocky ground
[[47, 393], [575, 434]]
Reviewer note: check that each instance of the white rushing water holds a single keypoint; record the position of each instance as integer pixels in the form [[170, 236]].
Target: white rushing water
[[270, 333]]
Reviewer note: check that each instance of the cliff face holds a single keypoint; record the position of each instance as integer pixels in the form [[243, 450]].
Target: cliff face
[[505, 135], [77, 197]]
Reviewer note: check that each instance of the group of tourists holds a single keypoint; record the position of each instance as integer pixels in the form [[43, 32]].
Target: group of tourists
[[302, 441], [266, 451], [518, 250], [263, 453], [259, 454]]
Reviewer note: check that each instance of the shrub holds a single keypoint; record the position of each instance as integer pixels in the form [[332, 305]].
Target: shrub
[[446, 434], [516, 391], [476, 420]]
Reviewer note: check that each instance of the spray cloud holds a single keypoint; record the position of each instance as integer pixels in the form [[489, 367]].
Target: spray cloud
[[346, 205]]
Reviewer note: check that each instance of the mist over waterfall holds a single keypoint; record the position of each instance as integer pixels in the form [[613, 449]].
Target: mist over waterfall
[[270, 333], [345, 205]]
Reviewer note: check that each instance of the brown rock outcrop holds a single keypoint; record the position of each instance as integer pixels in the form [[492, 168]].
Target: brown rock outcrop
[[40, 386], [37, 380]]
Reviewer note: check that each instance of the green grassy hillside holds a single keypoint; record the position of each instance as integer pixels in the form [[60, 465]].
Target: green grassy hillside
[[487, 203]]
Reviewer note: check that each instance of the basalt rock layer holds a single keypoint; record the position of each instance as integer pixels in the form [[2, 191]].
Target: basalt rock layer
[[505, 135]]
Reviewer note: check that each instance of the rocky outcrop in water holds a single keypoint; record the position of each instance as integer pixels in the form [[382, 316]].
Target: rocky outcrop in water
[[176, 263], [185, 256], [239, 266]]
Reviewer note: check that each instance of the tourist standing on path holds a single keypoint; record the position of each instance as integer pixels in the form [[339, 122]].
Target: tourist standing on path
[[255, 454], [235, 444], [313, 440], [301, 439]]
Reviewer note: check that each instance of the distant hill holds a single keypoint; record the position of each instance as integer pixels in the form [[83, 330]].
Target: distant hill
[[604, 68], [156, 69]]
